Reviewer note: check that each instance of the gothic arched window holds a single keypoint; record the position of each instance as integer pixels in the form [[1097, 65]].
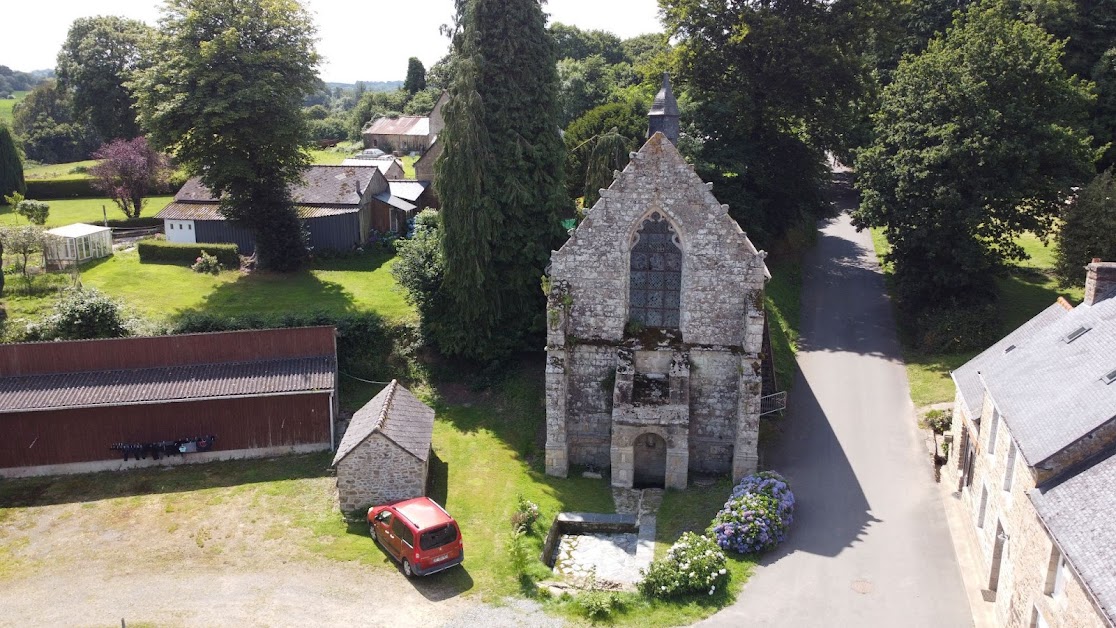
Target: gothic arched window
[[656, 274]]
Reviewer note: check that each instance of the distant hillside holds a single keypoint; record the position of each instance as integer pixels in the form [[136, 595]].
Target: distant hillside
[[372, 86], [16, 81]]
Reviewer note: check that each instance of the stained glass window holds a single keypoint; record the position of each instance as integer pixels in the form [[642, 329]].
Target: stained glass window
[[656, 275]]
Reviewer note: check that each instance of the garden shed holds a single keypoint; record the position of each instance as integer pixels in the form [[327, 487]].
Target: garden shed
[[384, 455], [77, 243]]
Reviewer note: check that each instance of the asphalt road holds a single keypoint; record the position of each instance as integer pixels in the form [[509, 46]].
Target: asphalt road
[[869, 546]]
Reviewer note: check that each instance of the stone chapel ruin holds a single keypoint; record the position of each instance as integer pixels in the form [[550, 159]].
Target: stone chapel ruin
[[655, 327]]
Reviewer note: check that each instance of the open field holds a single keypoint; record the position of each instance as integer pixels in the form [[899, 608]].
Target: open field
[[6, 105], [60, 172], [88, 210], [1028, 288]]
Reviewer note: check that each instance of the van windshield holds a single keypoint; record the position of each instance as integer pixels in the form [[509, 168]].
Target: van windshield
[[438, 537]]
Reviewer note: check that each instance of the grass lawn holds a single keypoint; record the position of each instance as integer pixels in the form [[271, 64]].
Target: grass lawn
[[6, 105], [59, 172], [70, 210], [1027, 289]]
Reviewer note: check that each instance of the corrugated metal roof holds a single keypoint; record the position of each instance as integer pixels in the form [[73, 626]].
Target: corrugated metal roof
[[398, 415], [172, 383], [1078, 512], [1050, 392], [403, 125], [394, 201], [320, 185], [211, 211], [407, 189], [76, 230]]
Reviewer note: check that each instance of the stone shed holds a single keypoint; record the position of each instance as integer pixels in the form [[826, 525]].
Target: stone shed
[[384, 455], [655, 327]]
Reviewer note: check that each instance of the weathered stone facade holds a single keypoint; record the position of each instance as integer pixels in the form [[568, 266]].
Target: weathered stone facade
[[379, 471], [655, 327]]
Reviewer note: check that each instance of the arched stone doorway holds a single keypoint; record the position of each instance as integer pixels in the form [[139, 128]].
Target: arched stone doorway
[[649, 456]]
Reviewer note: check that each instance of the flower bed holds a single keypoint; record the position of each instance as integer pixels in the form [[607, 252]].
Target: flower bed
[[756, 516]]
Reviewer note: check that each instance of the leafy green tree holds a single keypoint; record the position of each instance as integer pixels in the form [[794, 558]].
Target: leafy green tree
[[422, 103], [628, 120], [11, 165], [85, 314], [979, 138], [570, 42], [374, 105], [420, 268], [23, 242], [1088, 229], [224, 96], [128, 171], [100, 55], [582, 85], [48, 128], [500, 178], [36, 212], [416, 76]]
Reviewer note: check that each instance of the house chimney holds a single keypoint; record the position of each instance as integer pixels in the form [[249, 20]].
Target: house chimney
[[1100, 281], [663, 117]]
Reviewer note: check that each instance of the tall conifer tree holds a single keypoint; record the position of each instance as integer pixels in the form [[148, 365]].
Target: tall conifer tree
[[500, 178], [11, 166]]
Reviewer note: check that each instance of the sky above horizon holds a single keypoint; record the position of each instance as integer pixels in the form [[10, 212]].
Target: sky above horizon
[[402, 30]]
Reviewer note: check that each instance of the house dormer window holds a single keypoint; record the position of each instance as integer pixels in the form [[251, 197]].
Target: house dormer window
[[656, 275]]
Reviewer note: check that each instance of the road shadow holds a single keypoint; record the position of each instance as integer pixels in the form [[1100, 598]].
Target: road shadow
[[89, 487], [832, 512]]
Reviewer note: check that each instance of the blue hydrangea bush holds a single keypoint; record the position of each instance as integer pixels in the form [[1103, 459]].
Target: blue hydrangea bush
[[756, 516], [694, 564]]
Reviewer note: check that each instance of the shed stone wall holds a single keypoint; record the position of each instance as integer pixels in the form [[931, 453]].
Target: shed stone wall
[[379, 471]]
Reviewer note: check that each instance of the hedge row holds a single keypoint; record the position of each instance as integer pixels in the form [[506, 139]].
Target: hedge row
[[163, 251], [61, 188]]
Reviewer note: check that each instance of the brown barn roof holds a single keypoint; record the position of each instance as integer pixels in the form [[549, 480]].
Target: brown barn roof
[[402, 125], [397, 414], [171, 383]]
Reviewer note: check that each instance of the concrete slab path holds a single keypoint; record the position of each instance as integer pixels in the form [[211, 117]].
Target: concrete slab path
[[870, 546]]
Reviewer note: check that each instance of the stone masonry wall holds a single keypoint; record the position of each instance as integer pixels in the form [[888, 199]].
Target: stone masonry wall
[[379, 471], [713, 409], [592, 371]]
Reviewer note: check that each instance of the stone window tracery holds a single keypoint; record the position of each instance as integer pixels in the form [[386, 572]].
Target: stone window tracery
[[655, 275]]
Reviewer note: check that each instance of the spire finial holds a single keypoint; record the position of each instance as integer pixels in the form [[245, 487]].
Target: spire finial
[[663, 117]]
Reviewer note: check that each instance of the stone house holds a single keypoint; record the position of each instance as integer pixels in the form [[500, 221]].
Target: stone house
[[406, 134], [384, 455], [1034, 462], [655, 327]]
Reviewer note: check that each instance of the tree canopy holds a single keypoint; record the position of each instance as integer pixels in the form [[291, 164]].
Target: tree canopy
[[49, 130], [979, 138], [99, 57], [128, 172], [1088, 229], [499, 178], [416, 76], [224, 95]]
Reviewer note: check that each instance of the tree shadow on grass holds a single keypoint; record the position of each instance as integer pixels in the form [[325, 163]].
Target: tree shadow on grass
[[63, 489], [273, 294]]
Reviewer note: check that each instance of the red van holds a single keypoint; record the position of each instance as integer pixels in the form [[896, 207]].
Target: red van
[[418, 533]]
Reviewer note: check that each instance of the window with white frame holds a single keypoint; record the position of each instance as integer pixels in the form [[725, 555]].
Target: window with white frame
[[1009, 472], [992, 430]]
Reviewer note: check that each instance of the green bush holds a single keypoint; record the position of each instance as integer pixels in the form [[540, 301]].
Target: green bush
[[599, 605], [206, 263], [82, 314], [525, 515], [175, 252], [50, 189], [957, 328], [694, 564], [36, 212]]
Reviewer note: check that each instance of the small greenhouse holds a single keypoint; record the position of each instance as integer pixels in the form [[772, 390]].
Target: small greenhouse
[[77, 243]]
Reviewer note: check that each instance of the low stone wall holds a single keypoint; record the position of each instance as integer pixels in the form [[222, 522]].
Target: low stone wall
[[585, 523]]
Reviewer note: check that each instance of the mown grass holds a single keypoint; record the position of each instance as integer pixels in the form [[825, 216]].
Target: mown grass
[[1028, 288], [59, 172], [87, 210], [6, 105]]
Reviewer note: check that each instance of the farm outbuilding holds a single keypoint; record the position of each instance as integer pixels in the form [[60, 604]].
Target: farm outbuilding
[[384, 455], [94, 405], [76, 244]]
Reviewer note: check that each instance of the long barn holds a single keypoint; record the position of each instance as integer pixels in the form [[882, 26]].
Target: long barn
[[94, 405]]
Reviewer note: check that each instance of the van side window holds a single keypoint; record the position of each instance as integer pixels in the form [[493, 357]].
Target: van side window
[[403, 532]]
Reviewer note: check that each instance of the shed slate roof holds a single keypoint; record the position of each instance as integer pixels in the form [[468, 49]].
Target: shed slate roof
[[172, 383], [398, 415], [320, 185], [211, 211], [394, 201], [1078, 513], [1052, 393], [402, 125]]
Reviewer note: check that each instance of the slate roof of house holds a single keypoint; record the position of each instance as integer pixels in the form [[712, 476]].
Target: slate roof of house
[[383, 163], [170, 383], [407, 189], [403, 125], [1052, 392], [210, 211], [1078, 512], [398, 415], [967, 377], [320, 185]]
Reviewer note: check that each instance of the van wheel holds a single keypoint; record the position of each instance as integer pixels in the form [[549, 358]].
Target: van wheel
[[407, 571], [372, 533]]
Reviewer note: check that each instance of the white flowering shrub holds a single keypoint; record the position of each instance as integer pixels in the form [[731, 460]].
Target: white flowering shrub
[[694, 564]]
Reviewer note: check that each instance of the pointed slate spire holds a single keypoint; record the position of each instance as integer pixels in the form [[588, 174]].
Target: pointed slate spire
[[663, 117]]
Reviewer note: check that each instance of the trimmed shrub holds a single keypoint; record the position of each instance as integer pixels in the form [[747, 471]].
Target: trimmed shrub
[[756, 516], [694, 564], [176, 252], [51, 189], [206, 263], [135, 223], [82, 314]]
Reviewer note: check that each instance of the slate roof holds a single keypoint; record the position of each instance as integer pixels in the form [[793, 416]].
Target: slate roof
[[1078, 513], [320, 185], [398, 415], [403, 125], [384, 163], [172, 383], [1052, 392], [394, 201], [407, 189], [665, 104], [967, 377]]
